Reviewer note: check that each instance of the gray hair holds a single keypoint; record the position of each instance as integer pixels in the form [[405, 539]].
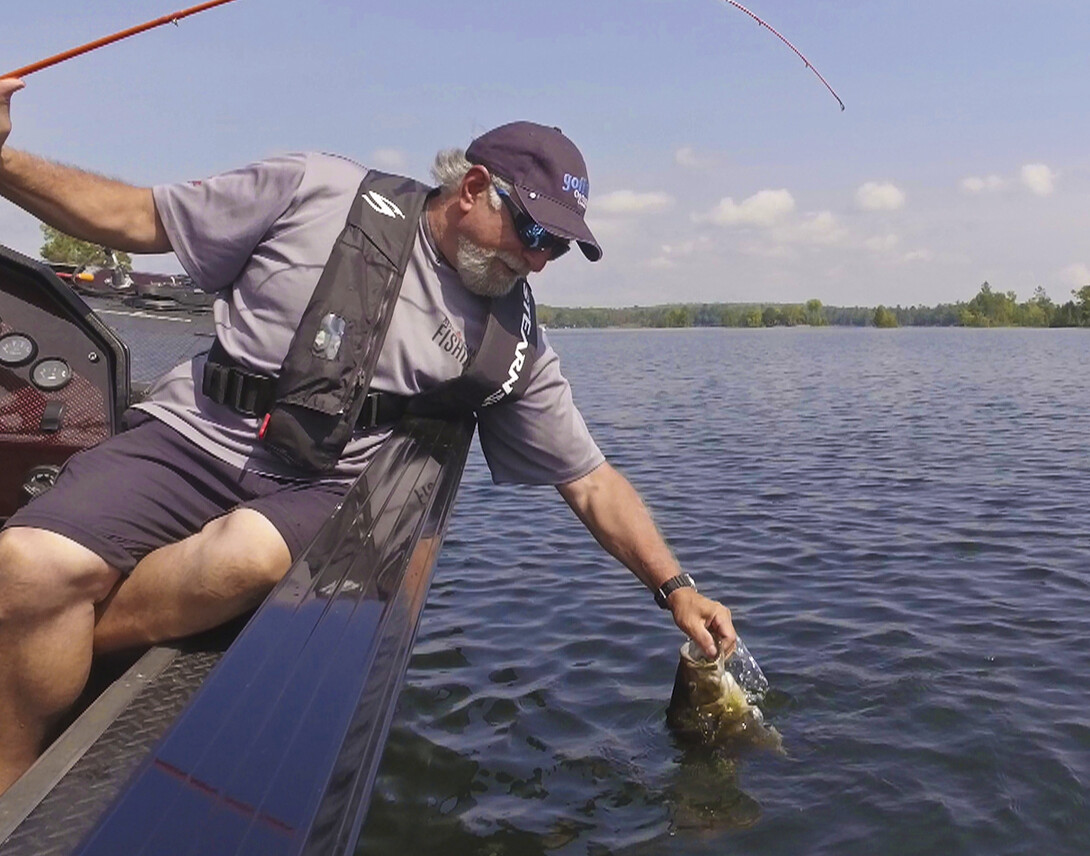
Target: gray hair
[[450, 168]]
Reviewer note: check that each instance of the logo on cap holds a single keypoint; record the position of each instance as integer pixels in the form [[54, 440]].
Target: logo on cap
[[579, 187]]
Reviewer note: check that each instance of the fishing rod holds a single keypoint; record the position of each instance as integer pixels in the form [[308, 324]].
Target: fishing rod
[[116, 37], [795, 49]]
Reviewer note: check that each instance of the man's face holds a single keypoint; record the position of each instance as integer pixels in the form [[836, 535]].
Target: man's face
[[491, 257]]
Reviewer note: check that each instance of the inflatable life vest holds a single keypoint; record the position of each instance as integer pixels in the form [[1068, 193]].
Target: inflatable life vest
[[321, 394]]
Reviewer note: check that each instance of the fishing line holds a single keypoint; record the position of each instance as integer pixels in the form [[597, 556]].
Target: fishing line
[[116, 37], [798, 53]]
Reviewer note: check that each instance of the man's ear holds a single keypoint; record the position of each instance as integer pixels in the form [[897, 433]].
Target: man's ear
[[475, 182]]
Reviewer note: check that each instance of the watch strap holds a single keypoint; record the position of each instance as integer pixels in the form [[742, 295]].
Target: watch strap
[[670, 586]]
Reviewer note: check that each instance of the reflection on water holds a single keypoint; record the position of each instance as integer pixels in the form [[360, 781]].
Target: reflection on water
[[701, 800], [900, 521]]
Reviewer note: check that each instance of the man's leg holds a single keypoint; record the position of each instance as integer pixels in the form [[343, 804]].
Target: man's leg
[[211, 577], [49, 586]]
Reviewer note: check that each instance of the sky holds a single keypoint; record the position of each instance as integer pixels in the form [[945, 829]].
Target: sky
[[721, 170]]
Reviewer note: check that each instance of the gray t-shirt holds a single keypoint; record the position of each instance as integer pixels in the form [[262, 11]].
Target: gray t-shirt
[[258, 238]]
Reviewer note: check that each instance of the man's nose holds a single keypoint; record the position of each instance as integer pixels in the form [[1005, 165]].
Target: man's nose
[[536, 259]]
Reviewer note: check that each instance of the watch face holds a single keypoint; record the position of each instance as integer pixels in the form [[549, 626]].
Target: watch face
[[51, 374], [16, 349]]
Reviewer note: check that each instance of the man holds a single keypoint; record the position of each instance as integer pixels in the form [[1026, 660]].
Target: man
[[207, 511]]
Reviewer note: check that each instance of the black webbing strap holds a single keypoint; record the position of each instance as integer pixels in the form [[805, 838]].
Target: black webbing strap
[[253, 394], [381, 408], [244, 391]]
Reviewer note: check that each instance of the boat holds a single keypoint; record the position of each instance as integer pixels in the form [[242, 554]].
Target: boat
[[138, 289], [262, 736]]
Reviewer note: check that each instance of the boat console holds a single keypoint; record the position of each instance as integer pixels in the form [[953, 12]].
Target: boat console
[[64, 378]]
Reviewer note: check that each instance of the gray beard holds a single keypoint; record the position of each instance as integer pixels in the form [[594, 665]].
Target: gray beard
[[486, 272]]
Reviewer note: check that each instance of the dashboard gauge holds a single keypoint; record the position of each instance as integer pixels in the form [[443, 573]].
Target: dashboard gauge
[[51, 374], [16, 349]]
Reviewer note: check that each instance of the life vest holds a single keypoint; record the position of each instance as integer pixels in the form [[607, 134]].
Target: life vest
[[322, 394]]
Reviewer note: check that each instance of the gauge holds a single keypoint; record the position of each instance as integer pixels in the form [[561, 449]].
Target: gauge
[[51, 374], [16, 349]]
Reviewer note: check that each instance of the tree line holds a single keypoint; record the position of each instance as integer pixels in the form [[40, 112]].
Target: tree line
[[987, 309]]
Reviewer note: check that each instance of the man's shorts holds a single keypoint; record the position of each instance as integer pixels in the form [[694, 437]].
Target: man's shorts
[[149, 486]]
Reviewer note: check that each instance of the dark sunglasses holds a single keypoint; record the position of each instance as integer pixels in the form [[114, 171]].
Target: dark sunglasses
[[533, 235]]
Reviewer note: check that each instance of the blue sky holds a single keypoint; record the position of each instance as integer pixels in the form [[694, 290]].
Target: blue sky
[[720, 168]]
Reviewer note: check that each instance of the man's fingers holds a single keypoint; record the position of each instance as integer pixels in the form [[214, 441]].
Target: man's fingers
[[706, 641], [722, 627], [10, 85]]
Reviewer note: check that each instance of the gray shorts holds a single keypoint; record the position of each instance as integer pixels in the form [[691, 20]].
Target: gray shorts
[[149, 486]]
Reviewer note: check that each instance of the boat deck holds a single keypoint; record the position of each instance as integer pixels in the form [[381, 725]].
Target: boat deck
[[55, 805]]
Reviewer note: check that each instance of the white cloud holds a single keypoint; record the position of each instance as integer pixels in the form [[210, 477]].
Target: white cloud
[[686, 248], [763, 208], [977, 184], [671, 253], [766, 250], [1039, 178], [876, 196], [819, 228], [389, 159], [1076, 275], [882, 243], [609, 227], [918, 256], [689, 158], [631, 202]]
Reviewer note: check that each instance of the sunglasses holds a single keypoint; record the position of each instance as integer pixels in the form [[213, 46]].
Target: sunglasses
[[533, 235]]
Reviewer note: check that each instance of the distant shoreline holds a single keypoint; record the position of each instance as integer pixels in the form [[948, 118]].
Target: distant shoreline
[[988, 309]]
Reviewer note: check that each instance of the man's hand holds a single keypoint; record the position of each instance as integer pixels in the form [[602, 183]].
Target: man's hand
[[8, 87], [703, 620]]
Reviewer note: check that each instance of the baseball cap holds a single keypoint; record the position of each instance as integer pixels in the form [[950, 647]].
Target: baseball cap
[[548, 174]]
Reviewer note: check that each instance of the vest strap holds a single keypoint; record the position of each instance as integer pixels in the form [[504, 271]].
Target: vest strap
[[252, 394], [244, 391]]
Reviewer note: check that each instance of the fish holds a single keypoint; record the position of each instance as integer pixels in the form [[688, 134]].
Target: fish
[[709, 704]]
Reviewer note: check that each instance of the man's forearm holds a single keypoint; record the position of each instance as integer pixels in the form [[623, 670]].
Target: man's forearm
[[613, 512], [83, 205]]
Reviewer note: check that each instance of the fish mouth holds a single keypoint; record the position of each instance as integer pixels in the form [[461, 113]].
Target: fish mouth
[[694, 655]]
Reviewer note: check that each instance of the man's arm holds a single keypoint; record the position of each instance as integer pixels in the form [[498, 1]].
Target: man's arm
[[81, 204], [616, 516]]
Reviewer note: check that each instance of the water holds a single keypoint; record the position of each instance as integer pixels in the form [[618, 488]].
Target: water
[[899, 520]]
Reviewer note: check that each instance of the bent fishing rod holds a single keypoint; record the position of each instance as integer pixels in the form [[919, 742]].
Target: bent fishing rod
[[798, 53], [173, 18]]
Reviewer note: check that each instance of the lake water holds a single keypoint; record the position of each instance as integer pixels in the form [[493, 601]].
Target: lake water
[[900, 521]]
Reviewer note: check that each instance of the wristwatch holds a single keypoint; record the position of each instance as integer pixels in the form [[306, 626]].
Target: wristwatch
[[672, 585]]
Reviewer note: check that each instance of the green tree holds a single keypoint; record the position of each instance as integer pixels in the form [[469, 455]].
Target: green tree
[[731, 317], [793, 315], [989, 309], [64, 249], [678, 316], [885, 318], [815, 313], [1082, 305]]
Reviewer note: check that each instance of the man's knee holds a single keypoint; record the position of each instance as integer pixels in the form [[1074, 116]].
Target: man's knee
[[42, 572], [247, 550]]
